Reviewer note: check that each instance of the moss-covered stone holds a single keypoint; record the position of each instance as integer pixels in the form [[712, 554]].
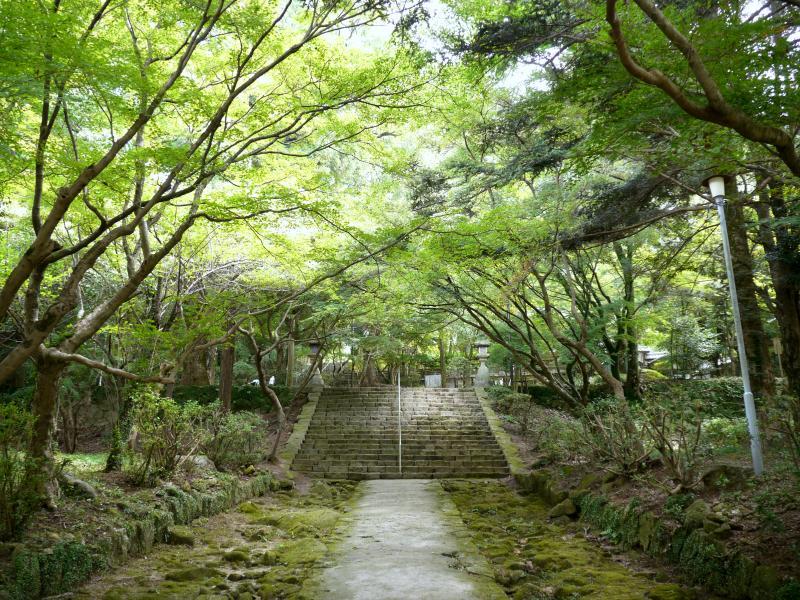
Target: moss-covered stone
[[302, 551], [180, 535], [545, 562], [192, 574], [315, 521], [139, 524], [696, 513], [237, 555], [564, 508]]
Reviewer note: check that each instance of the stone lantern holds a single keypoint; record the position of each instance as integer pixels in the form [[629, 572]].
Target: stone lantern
[[316, 377], [482, 377]]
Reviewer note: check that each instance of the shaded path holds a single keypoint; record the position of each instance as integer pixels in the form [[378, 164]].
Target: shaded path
[[406, 541]]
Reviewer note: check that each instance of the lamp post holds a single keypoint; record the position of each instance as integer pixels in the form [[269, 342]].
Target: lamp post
[[716, 185], [316, 377], [482, 376]]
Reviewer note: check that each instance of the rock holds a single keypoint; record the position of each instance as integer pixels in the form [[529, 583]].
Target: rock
[[648, 530], [716, 530], [249, 470], [180, 535], [201, 461], [269, 558], [726, 477], [564, 508], [238, 555], [76, 487], [192, 574], [696, 513], [588, 480]]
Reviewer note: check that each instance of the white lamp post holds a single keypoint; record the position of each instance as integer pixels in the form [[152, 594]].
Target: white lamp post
[[482, 376], [717, 187]]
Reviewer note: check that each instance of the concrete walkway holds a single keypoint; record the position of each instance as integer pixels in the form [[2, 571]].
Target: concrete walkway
[[405, 541]]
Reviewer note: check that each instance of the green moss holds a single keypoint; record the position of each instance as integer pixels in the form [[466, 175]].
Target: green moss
[[26, 576], [534, 559], [192, 574], [315, 521], [302, 551], [180, 535], [68, 565], [238, 555]]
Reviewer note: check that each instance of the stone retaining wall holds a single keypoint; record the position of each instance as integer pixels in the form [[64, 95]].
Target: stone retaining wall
[[37, 573], [692, 546]]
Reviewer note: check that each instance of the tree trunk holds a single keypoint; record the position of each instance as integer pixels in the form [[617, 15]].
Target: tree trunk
[[45, 409], [632, 387], [211, 366], [228, 355], [371, 377], [194, 371], [755, 340], [783, 256], [290, 363]]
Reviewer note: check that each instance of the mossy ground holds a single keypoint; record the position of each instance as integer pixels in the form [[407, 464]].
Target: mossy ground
[[265, 549], [534, 559]]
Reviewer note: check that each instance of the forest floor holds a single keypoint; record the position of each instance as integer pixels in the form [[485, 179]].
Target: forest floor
[[763, 514], [385, 540]]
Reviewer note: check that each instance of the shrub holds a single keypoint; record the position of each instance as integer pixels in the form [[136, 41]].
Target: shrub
[[243, 397], [504, 398], [674, 426], [612, 436], [556, 434], [725, 432], [165, 433], [544, 396], [784, 418], [233, 440], [720, 396], [18, 498]]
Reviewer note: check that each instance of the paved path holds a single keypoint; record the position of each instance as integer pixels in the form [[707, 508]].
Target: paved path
[[406, 542]]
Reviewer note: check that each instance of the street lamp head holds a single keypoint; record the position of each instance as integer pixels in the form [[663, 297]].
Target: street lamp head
[[716, 186], [483, 348]]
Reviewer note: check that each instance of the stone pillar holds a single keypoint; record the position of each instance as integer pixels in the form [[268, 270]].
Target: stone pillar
[[482, 376]]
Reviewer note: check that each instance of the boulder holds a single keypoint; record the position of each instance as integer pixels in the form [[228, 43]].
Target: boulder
[[73, 486], [726, 477], [565, 508], [696, 513], [180, 535]]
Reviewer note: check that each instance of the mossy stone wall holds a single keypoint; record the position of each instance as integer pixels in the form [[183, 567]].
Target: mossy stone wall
[[704, 560], [38, 573]]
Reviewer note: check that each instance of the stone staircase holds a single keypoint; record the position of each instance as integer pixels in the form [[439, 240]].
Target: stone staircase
[[353, 435]]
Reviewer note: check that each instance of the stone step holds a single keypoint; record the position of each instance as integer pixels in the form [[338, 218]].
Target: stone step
[[392, 437], [407, 463], [467, 453], [406, 468], [354, 435]]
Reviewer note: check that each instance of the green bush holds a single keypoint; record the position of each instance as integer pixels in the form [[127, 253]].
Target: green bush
[[504, 399], [556, 434], [233, 440], [613, 437], [721, 396], [164, 432], [243, 397], [725, 432], [544, 396], [18, 498]]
